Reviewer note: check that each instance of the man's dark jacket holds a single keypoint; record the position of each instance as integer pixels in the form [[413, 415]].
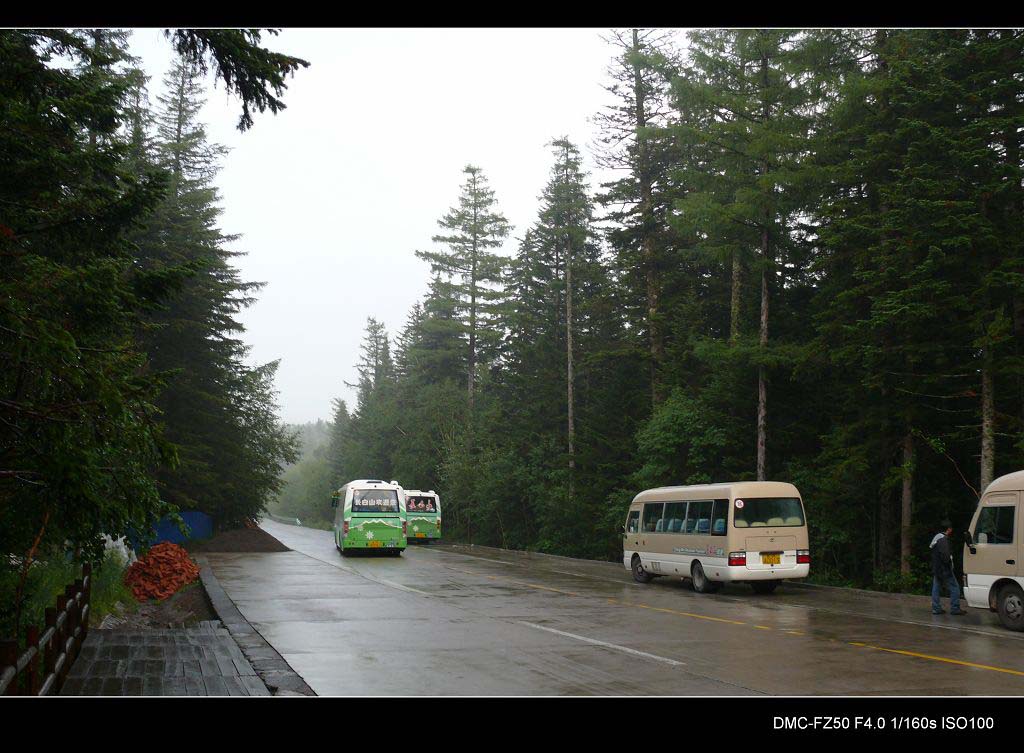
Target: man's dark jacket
[[942, 565]]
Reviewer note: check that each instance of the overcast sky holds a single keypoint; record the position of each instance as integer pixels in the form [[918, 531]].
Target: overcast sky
[[333, 195]]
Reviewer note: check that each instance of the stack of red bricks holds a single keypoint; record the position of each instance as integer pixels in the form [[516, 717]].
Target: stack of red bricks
[[165, 568]]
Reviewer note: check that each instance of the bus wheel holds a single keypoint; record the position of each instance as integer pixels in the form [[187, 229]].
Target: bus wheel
[[764, 586], [1010, 604], [639, 574], [700, 581]]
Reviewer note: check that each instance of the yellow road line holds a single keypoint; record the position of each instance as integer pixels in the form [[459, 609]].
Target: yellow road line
[[685, 614], [709, 618], [543, 588], [940, 659]]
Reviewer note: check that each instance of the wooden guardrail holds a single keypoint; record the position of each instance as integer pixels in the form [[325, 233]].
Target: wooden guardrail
[[56, 649]]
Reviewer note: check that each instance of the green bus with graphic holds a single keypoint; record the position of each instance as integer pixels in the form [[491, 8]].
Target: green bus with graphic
[[423, 515], [370, 516]]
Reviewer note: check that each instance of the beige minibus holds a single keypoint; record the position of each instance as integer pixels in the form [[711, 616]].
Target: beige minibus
[[992, 571], [749, 531]]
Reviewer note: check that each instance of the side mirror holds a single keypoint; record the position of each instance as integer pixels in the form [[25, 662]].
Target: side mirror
[[334, 499], [623, 528]]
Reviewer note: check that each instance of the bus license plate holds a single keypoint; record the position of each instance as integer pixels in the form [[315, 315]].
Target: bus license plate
[[773, 558], [376, 543], [421, 535]]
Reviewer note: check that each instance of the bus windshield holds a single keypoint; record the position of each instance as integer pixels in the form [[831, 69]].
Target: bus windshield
[[375, 500], [778, 512], [420, 504]]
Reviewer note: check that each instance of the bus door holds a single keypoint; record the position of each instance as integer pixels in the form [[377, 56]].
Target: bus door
[[995, 543], [630, 539]]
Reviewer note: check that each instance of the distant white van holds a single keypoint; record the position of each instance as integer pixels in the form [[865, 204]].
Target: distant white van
[[993, 577], [750, 531]]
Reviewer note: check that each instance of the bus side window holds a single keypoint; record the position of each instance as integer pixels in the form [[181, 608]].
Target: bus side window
[[995, 525], [718, 518], [700, 514], [652, 514], [675, 513]]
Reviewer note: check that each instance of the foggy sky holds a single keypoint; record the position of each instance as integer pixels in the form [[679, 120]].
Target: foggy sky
[[333, 195]]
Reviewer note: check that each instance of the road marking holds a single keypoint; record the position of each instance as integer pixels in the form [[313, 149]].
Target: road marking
[[622, 582], [399, 586], [683, 614], [900, 652], [605, 644], [542, 588], [939, 659]]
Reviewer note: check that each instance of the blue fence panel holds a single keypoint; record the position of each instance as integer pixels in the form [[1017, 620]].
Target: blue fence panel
[[199, 524]]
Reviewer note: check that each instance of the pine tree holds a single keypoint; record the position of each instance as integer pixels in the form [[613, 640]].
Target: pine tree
[[634, 138], [470, 268], [218, 410], [745, 101], [78, 434]]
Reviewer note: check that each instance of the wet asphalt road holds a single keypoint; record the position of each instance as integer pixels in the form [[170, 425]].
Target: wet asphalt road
[[447, 620]]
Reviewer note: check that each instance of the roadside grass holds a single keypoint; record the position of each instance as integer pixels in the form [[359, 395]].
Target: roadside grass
[[47, 580]]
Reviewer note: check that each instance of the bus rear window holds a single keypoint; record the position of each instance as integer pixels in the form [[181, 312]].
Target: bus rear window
[[775, 512], [375, 500], [420, 504]]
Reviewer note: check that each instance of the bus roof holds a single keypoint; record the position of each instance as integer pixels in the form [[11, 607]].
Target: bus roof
[[718, 491], [1009, 482], [418, 493], [371, 483]]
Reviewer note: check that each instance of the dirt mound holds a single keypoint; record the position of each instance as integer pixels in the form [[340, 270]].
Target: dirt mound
[[188, 607], [239, 540], [165, 568]]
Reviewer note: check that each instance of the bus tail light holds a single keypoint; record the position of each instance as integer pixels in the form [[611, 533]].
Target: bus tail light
[[803, 556], [737, 559], [344, 528], [405, 528]]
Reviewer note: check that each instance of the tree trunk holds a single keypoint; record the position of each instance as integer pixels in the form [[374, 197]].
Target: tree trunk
[[734, 303], [762, 376], [568, 355], [647, 225], [762, 380], [988, 445], [907, 503], [472, 306]]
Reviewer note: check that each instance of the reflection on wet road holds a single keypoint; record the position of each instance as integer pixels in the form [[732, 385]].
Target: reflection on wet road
[[449, 620]]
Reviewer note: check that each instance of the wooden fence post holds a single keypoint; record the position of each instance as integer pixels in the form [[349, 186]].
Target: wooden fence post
[[49, 651], [61, 639], [73, 607], [87, 601], [9, 658], [31, 671]]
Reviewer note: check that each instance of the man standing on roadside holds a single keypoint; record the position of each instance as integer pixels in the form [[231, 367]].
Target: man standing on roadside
[[942, 572]]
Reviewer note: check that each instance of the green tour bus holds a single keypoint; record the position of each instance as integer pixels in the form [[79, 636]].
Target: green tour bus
[[370, 515], [423, 513]]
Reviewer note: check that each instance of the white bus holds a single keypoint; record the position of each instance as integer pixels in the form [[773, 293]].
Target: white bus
[[993, 577], [750, 531]]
